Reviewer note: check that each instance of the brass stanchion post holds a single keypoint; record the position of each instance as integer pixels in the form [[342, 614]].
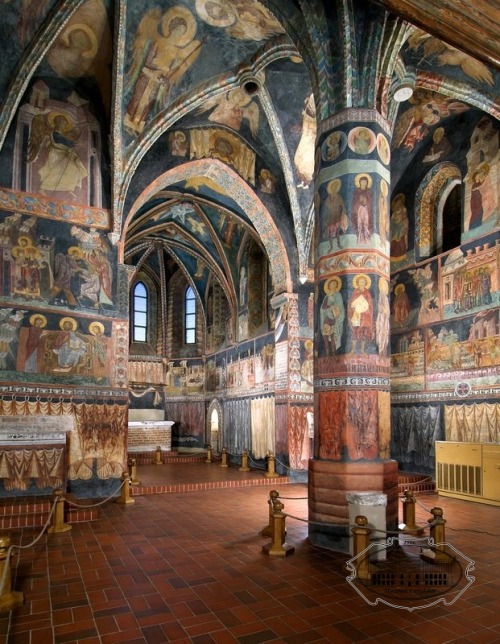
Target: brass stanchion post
[[361, 541], [409, 526], [209, 454], [271, 472], [267, 531], [224, 458], [9, 598], [437, 553], [58, 524], [158, 460], [244, 462], [132, 470], [278, 547], [125, 491]]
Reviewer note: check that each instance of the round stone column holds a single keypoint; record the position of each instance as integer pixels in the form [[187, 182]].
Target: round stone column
[[352, 350]]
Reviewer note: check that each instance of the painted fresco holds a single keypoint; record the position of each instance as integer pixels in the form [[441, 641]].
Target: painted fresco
[[427, 52], [183, 66], [442, 161], [41, 347], [447, 308], [57, 147], [482, 182], [353, 320], [65, 267], [183, 43], [247, 369]]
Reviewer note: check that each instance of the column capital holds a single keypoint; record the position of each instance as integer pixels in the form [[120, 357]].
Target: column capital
[[352, 114]]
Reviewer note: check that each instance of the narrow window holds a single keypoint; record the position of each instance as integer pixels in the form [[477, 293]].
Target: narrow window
[[140, 313], [452, 220], [190, 317]]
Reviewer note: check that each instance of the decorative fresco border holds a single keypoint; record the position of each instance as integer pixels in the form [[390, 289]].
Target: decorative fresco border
[[442, 395], [352, 381], [40, 206], [60, 391]]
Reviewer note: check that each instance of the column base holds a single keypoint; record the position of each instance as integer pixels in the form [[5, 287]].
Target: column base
[[329, 482]]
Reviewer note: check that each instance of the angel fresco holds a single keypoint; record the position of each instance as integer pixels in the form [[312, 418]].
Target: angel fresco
[[242, 20], [232, 108], [444, 54], [164, 49], [54, 135], [83, 47], [427, 110], [304, 155]]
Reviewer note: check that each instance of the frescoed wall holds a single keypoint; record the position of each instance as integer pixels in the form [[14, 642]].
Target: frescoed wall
[[445, 320], [185, 144]]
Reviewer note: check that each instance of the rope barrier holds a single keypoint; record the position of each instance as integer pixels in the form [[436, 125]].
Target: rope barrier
[[338, 525], [11, 547], [422, 506], [10, 599], [95, 505], [427, 478]]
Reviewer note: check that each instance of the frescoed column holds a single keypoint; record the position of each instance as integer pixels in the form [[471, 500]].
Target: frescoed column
[[293, 384], [352, 358]]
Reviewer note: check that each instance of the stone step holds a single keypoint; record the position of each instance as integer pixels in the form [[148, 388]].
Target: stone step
[[25, 512]]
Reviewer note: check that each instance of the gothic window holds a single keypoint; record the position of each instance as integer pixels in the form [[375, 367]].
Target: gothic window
[[140, 311], [449, 232], [189, 316]]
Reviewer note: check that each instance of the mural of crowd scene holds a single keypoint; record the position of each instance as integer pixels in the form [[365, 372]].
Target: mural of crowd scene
[[67, 266], [469, 277], [408, 361], [37, 347], [465, 350], [264, 360], [240, 368], [185, 377], [226, 147]]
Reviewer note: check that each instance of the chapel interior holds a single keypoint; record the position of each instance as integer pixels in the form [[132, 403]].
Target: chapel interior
[[263, 227]]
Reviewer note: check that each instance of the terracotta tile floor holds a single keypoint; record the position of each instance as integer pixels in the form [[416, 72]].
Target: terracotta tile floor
[[189, 567]]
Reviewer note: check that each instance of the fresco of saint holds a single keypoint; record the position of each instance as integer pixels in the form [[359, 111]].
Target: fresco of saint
[[164, 49]]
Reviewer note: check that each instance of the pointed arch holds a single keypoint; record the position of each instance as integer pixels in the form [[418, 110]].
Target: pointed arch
[[429, 202], [228, 183]]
